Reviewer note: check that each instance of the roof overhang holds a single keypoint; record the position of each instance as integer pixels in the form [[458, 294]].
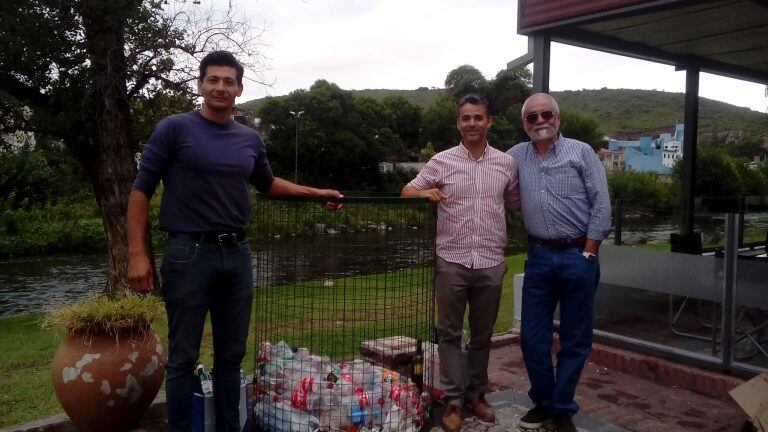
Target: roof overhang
[[723, 37]]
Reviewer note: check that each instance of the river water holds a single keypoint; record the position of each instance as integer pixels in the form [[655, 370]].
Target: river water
[[35, 284], [29, 285]]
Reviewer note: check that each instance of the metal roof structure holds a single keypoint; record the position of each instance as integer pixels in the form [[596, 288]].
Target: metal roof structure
[[723, 37]]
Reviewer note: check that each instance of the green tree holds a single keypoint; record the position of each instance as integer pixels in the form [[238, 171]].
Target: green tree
[[582, 128], [75, 70], [341, 139], [751, 181], [747, 147], [717, 179], [41, 174], [466, 79], [505, 93], [25, 177], [406, 119], [427, 152], [509, 89], [716, 174], [642, 190], [439, 124]]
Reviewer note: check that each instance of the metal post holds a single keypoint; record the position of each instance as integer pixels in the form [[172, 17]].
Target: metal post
[[732, 227], [541, 43], [296, 154], [742, 211], [689, 146], [296, 115], [617, 216]]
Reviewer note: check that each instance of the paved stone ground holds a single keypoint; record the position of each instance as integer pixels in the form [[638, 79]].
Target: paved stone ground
[[506, 420], [510, 406], [627, 401]]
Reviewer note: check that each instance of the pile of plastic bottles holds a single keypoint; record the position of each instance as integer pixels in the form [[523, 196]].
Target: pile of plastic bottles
[[301, 392]]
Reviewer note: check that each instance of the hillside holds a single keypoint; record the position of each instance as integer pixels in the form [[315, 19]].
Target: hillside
[[624, 111], [423, 96], [621, 113]]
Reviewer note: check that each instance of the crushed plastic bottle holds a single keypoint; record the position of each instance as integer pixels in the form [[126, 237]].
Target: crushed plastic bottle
[[300, 391]]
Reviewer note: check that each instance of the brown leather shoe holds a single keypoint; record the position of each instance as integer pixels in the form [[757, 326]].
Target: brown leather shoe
[[451, 418], [482, 409]]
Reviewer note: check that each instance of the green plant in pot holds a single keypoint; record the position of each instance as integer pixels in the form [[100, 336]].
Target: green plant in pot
[[110, 366]]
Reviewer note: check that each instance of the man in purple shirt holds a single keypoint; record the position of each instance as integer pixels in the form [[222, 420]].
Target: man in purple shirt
[[471, 182], [207, 162]]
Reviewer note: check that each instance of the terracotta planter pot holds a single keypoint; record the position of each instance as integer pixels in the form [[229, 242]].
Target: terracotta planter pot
[[106, 382]]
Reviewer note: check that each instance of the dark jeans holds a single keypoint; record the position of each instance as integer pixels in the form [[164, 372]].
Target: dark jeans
[[553, 276], [198, 279], [456, 287]]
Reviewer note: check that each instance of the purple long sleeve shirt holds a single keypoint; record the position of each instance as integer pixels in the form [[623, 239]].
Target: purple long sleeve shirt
[[206, 169]]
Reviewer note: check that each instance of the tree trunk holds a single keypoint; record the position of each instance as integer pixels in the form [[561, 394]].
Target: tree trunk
[[109, 159]]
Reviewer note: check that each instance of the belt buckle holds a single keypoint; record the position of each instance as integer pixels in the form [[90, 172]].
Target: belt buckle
[[226, 239]]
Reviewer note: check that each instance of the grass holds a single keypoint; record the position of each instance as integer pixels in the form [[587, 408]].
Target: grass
[[110, 315], [26, 392], [27, 348]]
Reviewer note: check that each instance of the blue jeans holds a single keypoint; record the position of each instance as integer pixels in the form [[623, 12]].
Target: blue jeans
[[553, 276], [198, 279]]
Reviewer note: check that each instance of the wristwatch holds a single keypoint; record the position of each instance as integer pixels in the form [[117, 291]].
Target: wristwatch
[[589, 256]]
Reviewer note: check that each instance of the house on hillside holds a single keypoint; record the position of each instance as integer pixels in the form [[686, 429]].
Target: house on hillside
[[246, 117], [652, 155], [414, 167], [613, 160]]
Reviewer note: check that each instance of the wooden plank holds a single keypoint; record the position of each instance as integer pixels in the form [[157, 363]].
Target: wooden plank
[[693, 24], [538, 12], [642, 18], [745, 41], [393, 352]]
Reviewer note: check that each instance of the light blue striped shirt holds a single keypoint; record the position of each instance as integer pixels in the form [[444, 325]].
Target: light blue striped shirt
[[564, 195]]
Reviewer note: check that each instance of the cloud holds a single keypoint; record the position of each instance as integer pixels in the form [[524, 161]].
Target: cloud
[[405, 44]]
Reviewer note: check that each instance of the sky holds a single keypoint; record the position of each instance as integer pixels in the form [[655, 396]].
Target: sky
[[406, 44]]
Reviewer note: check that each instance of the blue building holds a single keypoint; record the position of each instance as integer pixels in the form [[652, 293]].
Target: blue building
[[652, 155]]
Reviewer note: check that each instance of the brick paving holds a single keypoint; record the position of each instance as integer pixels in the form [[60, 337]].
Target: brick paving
[[510, 406], [627, 401]]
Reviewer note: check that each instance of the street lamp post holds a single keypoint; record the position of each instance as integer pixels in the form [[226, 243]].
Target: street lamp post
[[296, 115]]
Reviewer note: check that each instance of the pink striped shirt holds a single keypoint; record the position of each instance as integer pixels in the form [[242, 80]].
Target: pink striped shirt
[[471, 228]]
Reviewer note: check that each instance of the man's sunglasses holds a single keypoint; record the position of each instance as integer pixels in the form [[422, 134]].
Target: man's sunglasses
[[546, 115]]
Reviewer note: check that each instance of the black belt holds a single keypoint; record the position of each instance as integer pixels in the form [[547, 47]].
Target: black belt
[[558, 243], [210, 238]]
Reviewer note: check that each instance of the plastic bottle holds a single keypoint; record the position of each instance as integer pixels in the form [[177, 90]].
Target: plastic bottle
[[243, 401], [283, 350], [426, 404], [417, 367], [206, 383]]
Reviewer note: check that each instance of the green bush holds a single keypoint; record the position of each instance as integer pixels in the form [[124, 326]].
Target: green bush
[[646, 190], [62, 227]]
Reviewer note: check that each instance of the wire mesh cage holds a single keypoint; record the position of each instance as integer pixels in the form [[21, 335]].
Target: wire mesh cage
[[344, 314]]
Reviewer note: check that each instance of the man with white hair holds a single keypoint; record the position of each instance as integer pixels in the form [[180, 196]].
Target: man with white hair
[[566, 211]]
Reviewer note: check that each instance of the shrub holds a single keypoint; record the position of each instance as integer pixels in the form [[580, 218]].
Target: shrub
[[102, 313]]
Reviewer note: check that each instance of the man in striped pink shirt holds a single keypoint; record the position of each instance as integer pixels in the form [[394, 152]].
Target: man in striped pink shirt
[[471, 183]]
